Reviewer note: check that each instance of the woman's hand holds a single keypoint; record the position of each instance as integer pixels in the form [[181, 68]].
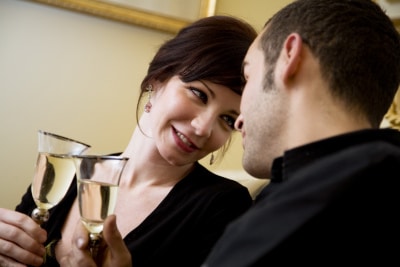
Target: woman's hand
[[21, 240], [112, 251], [117, 254], [79, 255]]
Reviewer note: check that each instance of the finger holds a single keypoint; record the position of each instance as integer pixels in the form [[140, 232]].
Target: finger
[[79, 254], [8, 262], [12, 237], [77, 257], [120, 254], [11, 251], [81, 236], [16, 243], [23, 222], [80, 250]]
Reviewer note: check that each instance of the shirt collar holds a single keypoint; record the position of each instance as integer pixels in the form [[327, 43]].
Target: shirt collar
[[296, 158]]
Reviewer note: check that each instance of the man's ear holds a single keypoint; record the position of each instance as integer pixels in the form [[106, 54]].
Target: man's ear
[[292, 48]]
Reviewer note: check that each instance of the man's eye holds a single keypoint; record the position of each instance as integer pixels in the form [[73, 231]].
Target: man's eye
[[200, 94], [230, 121]]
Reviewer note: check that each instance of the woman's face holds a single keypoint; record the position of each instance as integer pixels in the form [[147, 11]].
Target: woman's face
[[190, 120]]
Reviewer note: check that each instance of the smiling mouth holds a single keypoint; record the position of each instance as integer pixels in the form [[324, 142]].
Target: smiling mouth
[[184, 139]]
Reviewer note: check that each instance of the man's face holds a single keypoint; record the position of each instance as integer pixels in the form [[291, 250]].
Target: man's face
[[260, 118]]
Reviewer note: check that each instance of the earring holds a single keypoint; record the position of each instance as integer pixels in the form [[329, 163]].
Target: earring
[[212, 158], [147, 106]]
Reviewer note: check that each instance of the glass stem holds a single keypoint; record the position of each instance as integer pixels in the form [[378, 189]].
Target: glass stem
[[94, 244], [40, 215]]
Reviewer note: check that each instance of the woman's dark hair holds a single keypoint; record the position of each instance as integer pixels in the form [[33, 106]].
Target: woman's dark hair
[[211, 48]]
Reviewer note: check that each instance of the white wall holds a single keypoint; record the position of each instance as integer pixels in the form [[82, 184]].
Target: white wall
[[78, 75], [67, 73]]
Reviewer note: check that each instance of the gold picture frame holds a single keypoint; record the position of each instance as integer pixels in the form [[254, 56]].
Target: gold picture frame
[[110, 10], [392, 117]]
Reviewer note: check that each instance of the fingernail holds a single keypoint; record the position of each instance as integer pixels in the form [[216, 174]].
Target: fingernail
[[80, 243]]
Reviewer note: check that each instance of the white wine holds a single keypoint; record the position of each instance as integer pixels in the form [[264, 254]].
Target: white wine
[[96, 201], [53, 176]]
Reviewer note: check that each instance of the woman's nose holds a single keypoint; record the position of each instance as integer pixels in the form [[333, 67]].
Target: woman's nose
[[203, 124]]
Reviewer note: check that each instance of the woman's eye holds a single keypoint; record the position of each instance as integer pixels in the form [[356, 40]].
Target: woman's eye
[[230, 121], [200, 94]]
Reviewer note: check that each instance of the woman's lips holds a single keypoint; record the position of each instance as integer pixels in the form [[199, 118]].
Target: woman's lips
[[183, 142]]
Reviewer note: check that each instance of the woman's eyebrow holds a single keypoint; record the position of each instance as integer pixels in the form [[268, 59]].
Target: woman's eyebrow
[[208, 88], [233, 112]]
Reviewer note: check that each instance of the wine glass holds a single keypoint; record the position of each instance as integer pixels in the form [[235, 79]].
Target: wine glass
[[54, 171], [98, 182]]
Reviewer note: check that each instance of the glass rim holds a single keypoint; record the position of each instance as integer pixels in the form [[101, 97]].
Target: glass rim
[[64, 138], [100, 157], [56, 155]]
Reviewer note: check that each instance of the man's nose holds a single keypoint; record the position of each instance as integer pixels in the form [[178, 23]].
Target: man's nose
[[239, 123]]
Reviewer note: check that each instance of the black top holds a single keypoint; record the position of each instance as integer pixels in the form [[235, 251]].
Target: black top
[[334, 202], [181, 230]]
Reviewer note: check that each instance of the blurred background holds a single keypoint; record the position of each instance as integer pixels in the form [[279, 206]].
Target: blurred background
[[78, 75]]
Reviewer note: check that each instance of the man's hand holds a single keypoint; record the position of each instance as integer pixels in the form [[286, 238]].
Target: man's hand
[[21, 240]]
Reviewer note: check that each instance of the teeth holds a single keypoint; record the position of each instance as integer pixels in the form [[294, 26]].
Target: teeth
[[183, 138]]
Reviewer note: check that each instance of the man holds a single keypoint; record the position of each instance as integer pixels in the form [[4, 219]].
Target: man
[[320, 78]]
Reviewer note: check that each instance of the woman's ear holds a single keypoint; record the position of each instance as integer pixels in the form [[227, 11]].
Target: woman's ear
[[158, 86], [292, 48]]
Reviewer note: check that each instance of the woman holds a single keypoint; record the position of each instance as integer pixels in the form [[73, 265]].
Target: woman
[[171, 209]]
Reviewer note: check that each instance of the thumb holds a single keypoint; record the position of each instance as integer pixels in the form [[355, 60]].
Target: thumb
[[119, 253], [81, 237]]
